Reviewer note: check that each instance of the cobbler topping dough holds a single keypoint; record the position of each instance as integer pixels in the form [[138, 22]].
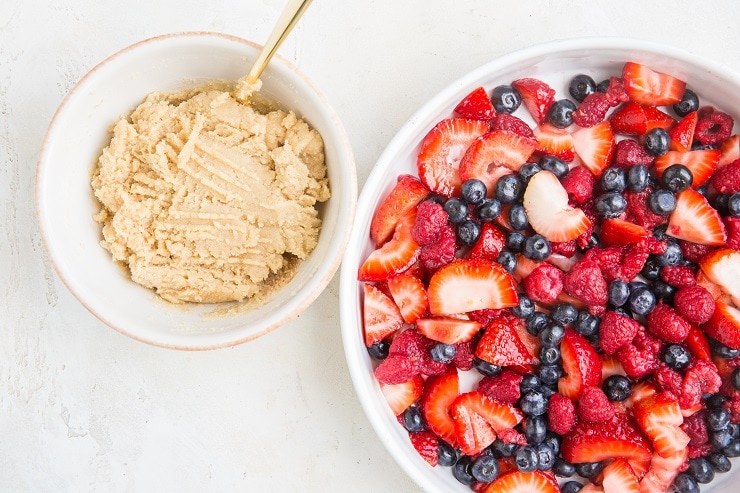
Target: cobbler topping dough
[[206, 199]]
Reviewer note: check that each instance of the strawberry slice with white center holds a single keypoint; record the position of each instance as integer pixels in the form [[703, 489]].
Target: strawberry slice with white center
[[449, 330], [554, 141], [695, 220], [409, 295], [647, 86], [476, 105], [701, 163], [478, 418], [402, 395], [663, 470], [495, 154], [722, 267], [537, 97], [619, 477], [395, 256], [682, 133], [404, 197], [729, 150], [468, 285], [524, 482], [659, 416], [442, 149], [724, 325], [595, 146], [381, 316], [439, 394], [581, 364], [620, 232], [548, 211]]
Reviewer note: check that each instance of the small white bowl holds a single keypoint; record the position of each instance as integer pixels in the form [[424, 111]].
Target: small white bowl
[[65, 203], [555, 63]]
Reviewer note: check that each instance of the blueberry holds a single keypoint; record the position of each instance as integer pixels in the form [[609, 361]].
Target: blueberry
[[617, 388], [505, 99], [549, 355], [701, 470], [533, 403], [485, 468], [528, 170], [462, 470], [443, 352], [610, 205], [485, 368], [563, 468], [535, 429], [723, 351], [536, 323], [526, 458], [689, 102], [564, 314], [503, 449], [656, 141], [718, 419], [722, 203], [456, 210], [651, 269], [662, 202], [571, 487], [554, 165], [735, 378], [683, 483], [550, 374], [719, 462], [716, 400], [581, 86], [518, 217], [638, 177], [676, 356], [509, 189], [379, 350], [515, 241], [447, 455], [553, 440], [525, 308], [488, 210], [613, 179], [545, 457], [677, 178], [618, 292], [586, 324], [560, 114], [720, 439], [733, 204], [589, 469], [672, 255], [537, 247], [663, 291], [413, 420], [603, 85], [473, 191], [660, 232], [507, 260], [552, 335], [733, 449], [468, 231], [642, 301], [530, 382]]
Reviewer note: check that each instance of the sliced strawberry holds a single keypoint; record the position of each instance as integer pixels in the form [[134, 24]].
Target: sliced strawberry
[[395, 256], [619, 477], [495, 154], [448, 330], [620, 232], [697, 343], [476, 105], [595, 146], [489, 244], [729, 150], [659, 416], [524, 482], [537, 97], [441, 150], [695, 220], [381, 316], [640, 391], [716, 291], [477, 418], [581, 364], [722, 267], [402, 395], [663, 470], [610, 365], [647, 86], [501, 345], [701, 163], [725, 325], [654, 118], [635, 119], [467, 285], [409, 295], [406, 194], [618, 437], [439, 393], [554, 141], [682, 134], [548, 211], [427, 445]]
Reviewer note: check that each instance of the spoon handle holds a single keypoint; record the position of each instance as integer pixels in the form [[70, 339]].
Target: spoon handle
[[291, 14]]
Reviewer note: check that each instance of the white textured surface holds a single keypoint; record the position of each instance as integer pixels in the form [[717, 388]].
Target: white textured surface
[[83, 408]]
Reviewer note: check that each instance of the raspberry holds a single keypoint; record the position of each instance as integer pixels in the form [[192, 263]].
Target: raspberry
[[592, 110], [594, 406], [544, 284], [655, 246], [579, 183], [666, 324], [727, 178], [616, 91], [441, 252], [616, 331], [699, 451], [629, 153], [561, 414], [463, 358], [733, 405], [668, 380], [584, 240], [510, 435], [620, 262], [638, 212], [695, 426], [641, 357], [431, 218], [694, 252], [694, 303], [732, 225], [585, 282], [504, 387], [564, 248], [713, 128], [505, 121], [407, 357], [678, 276], [701, 378]]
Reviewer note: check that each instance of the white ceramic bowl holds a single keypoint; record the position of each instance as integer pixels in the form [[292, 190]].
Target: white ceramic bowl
[[554, 63], [65, 203]]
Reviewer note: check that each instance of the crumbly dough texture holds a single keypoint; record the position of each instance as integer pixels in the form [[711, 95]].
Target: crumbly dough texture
[[206, 199]]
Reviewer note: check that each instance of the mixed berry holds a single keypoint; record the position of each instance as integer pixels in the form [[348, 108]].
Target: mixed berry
[[583, 272]]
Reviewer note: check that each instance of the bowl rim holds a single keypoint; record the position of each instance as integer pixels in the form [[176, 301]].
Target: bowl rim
[[329, 269], [356, 356]]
